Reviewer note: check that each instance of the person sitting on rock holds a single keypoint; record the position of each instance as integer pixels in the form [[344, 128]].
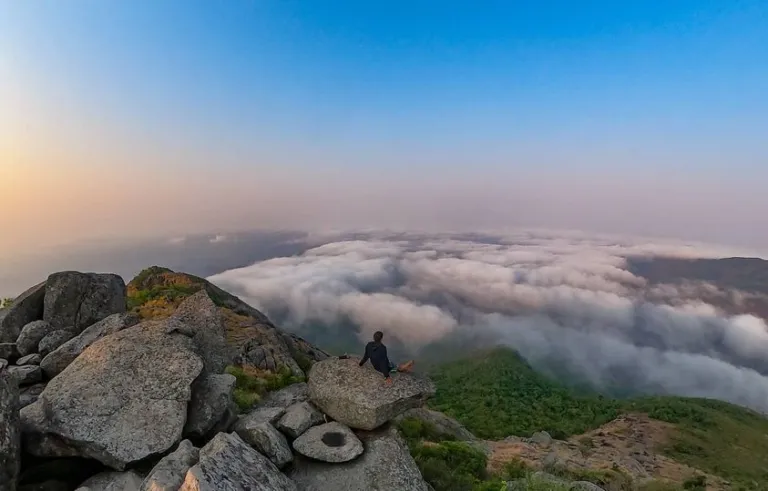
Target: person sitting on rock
[[377, 353]]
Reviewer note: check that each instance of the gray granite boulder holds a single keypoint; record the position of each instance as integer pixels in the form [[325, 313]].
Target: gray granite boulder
[[28, 395], [76, 300], [25, 375], [25, 308], [169, 473], [53, 340], [211, 398], [10, 433], [268, 441], [60, 358], [357, 396], [331, 442], [299, 418], [385, 464], [31, 335], [33, 359], [269, 415], [227, 463], [124, 399], [112, 481]]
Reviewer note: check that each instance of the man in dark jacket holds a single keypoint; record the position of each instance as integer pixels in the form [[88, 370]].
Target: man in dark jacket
[[377, 353]]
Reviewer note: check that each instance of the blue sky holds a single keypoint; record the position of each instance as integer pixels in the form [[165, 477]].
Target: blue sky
[[560, 95]]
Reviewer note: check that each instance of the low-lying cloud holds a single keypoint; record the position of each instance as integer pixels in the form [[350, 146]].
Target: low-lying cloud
[[569, 303]]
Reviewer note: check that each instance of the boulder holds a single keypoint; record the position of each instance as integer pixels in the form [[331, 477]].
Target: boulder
[[10, 433], [542, 438], [26, 308], [112, 481], [31, 335], [60, 358], [26, 375], [357, 397], [211, 398], [28, 395], [33, 359], [268, 441], [385, 464], [259, 415], [53, 340], [168, 474], [299, 418], [331, 442], [124, 399], [286, 397], [442, 423], [9, 351], [201, 316], [227, 463], [77, 300]]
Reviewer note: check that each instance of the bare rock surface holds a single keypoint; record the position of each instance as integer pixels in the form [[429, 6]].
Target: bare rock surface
[[76, 300], [25, 308], [169, 473], [332, 442], [124, 399]]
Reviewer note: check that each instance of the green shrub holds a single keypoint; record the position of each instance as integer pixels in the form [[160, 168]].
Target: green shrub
[[450, 466], [251, 384], [414, 429]]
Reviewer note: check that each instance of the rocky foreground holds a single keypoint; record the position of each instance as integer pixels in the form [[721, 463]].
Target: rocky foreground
[[94, 398]]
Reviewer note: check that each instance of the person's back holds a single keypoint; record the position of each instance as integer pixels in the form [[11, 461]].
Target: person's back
[[377, 353]]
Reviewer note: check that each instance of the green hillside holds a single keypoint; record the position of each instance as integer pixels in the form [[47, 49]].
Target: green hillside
[[497, 394]]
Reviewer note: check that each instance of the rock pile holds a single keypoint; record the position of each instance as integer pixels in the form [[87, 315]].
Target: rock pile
[[111, 403]]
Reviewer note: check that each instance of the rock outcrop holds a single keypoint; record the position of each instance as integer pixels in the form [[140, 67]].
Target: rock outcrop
[[124, 399], [169, 473], [385, 464], [227, 463], [10, 433], [331, 442], [200, 315], [26, 308], [356, 396], [60, 358], [76, 300], [286, 397]]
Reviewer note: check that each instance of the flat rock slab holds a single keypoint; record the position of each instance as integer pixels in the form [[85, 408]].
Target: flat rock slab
[[169, 473], [386, 464], [331, 442], [259, 415], [442, 423], [124, 399], [357, 396], [268, 441], [286, 397], [227, 463], [33, 359]]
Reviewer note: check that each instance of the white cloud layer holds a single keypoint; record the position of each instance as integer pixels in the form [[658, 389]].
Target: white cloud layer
[[565, 301]]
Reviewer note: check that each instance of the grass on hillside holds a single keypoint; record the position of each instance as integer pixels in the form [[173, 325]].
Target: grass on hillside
[[252, 384], [498, 394]]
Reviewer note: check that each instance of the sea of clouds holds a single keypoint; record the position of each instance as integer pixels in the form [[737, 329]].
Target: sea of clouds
[[568, 302]]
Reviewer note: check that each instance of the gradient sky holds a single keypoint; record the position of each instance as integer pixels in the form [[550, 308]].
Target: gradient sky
[[149, 117]]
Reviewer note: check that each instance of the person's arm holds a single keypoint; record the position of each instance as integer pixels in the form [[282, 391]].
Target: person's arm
[[366, 355]]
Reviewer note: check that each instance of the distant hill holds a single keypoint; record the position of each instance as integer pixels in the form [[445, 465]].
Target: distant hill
[[496, 394]]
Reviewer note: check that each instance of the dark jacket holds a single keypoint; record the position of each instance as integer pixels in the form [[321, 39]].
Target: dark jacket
[[377, 353]]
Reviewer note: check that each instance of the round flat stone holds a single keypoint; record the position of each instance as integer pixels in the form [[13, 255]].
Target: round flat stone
[[331, 442]]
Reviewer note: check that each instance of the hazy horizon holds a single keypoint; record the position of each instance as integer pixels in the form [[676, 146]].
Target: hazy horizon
[[131, 120]]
